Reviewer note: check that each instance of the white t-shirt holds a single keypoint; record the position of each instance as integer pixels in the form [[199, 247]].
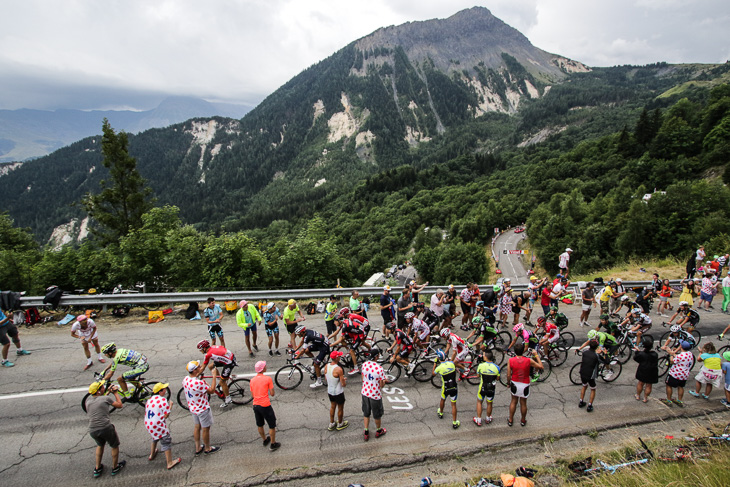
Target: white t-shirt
[[196, 394], [155, 411], [88, 333], [563, 260], [726, 281], [438, 310], [557, 289]]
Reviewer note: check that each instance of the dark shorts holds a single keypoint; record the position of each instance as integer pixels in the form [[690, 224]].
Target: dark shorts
[[248, 330], [588, 381], [322, 355], [706, 297], [9, 329], [264, 413], [226, 369], [271, 330], [106, 435], [290, 328], [672, 382], [488, 388], [405, 352], [372, 407], [331, 327], [214, 330], [465, 308], [338, 399], [452, 392]]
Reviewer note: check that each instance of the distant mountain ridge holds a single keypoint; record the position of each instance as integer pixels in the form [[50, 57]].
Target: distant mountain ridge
[[27, 134]]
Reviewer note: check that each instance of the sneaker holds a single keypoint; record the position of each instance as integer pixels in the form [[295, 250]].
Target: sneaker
[[667, 402], [332, 427], [488, 420], [581, 403], [7, 363], [275, 446], [380, 432], [250, 354], [99, 471], [119, 466], [440, 413], [693, 393], [255, 347], [101, 360], [723, 402], [277, 352], [456, 424], [477, 421], [366, 435], [226, 403], [704, 396], [267, 441], [354, 371], [88, 366], [22, 352], [271, 353], [343, 425], [609, 374], [213, 449], [589, 408], [678, 403], [720, 337], [316, 384]]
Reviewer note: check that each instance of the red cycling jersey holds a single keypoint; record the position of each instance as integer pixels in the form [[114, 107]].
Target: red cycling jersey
[[219, 355], [551, 329], [457, 342]]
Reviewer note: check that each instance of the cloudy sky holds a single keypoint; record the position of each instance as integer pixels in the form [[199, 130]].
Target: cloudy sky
[[131, 53]]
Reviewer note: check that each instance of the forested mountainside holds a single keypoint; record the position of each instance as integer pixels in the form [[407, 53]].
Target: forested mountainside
[[341, 171]]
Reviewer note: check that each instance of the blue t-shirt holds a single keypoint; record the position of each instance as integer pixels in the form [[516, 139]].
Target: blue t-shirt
[[269, 316], [726, 370], [213, 314], [2, 317]]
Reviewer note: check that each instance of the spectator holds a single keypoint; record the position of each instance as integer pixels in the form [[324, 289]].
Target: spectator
[[726, 372], [725, 292], [197, 392], [678, 373], [415, 289], [387, 309], [336, 382], [157, 409], [329, 315], [373, 380], [465, 298], [505, 306], [715, 265], [588, 373], [589, 300], [707, 292], [564, 261], [437, 304], [711, 372], [618, 292], [699, 257], [101, 428], [559, 290], [533, 288], [247, 317], [605, 298], [404, 306], [545, 300], [8, 328], [271, 325], [688, 291], [85, 329], [722, 260], [262, 389], [518, 370], [291, 321], [647, 373], [450, 306], [665, 292], [355, 302], [213, 316]]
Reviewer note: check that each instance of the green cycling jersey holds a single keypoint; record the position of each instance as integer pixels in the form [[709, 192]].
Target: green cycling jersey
[[605, 337], [128, 357]]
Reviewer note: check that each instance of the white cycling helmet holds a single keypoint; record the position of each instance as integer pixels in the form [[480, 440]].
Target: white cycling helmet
[[445, 333], [676, 328], [635, 311], [683, 303], [592, 334]]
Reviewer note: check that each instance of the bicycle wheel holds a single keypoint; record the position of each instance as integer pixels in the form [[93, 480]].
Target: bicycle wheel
[[182, 399], [436, 381], [382, 346], [422, 371], [575, 374], [503, 378], [663, 365], [566, 340], [557, 356], [471, 376], [542, 375], [610, 375], [146, 391], [86, 398], [497, 355], [240, 391], [288, 377], [392, 372], [502, 339], [623, 352], [696, 335], [724, 349]]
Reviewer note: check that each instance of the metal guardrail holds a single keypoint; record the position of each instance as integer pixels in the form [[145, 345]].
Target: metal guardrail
[[122, 299]]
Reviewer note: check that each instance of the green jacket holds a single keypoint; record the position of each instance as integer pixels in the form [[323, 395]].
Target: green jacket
[[245, 317]]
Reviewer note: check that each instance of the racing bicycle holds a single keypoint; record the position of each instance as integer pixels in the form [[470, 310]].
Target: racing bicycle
[[239, 390], [142, 390]]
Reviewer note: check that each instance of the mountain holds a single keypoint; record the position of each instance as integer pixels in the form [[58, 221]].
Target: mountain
[[27, 134], [417, 95]]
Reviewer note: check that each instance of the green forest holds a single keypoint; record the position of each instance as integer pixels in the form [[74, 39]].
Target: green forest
[[571, 190]]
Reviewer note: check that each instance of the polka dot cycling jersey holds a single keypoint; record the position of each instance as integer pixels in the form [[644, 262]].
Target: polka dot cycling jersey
[[127, 357], [155, 414], [196, 394], [419, 326], [372, 374]]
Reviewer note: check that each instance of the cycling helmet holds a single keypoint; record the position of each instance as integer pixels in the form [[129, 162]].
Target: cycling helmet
[[496, 288], [635, 311], [300, 329], [683, 303], [390, 325], [507, 279], [445, 333], [604, 316], [203, 345], [440, 355], [676, 328], [541, 321], [344, 312], [592, 334], [480, 304], [109, 348], [81, 318], [409, 316], [420, 305], [553, 308], [726, 356], [477, 320], [624, 298], [518, 327]]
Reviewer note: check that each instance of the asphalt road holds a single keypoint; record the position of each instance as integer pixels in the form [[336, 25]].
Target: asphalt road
[[510, 264], [45, 440]]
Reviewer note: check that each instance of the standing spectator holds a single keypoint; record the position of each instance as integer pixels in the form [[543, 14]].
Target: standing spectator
[[726, 371], [505, 306], [665, 292], [447, 371], [336, 382], [247, 317], [404, 306], [618, 292], [722, 260], [706, 292], [589, 300], [329, 315], [355, 302], [533, 288], [8, 328], [605, 298], [373, 380], [197, 392], [84, 329], [725, 292], [437, 304], [711, 372], [678, 373], [488, 376], [450, 305], [415, 289], [387, 309], [465, 298], [564, 261], [647, 373], [688, 291], [262, 389], [656, 283], [101, 428], [699, 257], [157, 409], [545, 300], [214, 316], [271, 325], [291, 321], [588, 373], [518, 370]]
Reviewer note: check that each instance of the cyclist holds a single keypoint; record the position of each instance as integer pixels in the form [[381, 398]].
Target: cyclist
[[218, 357], [85, 329], [676, 336], [685, 315], [124, 356], [447, 371], [312, 341], [419, 330], [403, 347], [339, 321], [488, 375], [429, 317], [554, 316], [459, 346], [610, 326], [552, 333], [359, 320], [484, 331], [630, 305], [607, 347], [528, 337], [640, 322], [353, 335]]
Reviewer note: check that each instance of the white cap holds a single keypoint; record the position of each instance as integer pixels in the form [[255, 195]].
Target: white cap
[[412, 282], [386, 288], [507, 279], [451, 286], [618, 279], [192, 365], [568, 249]]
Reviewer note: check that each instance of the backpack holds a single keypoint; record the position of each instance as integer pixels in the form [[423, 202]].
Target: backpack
[[561, 320], [53, 296], [311, 308], [120, 312], [192, 311], [320, 307], [32, 316]]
